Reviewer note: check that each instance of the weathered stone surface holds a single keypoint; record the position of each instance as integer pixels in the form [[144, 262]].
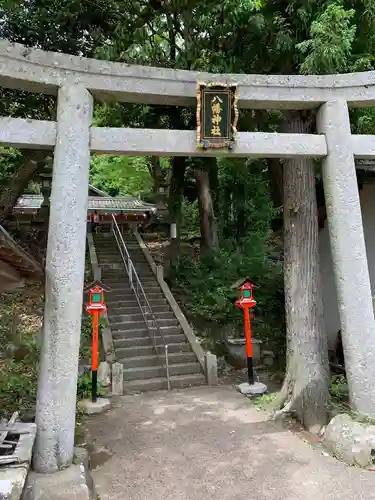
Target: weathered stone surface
[[268, 357], [104, 374], [84, 369], [13, 476], [349, 256], [12, 480], [211, 368], [49, 70], [237, 351], [255, 389], [82, 457], [182, 143], [117, 379], [56, 401], [67, 484], [349, 441], [100, 406], [109, 349]]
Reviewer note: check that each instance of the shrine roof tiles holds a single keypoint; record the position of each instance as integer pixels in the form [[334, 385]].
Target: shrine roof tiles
[[123, 203]]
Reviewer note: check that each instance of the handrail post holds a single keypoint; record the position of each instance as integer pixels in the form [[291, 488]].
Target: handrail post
[[130, 267], [167, 367]]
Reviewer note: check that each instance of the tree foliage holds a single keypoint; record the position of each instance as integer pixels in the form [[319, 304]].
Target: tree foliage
[[121, 175]]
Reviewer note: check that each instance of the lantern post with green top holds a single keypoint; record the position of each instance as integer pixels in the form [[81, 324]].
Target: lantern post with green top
[[246, 302], [95, 307]]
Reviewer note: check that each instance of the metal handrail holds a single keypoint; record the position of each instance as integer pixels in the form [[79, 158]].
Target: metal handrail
[[136, 286]]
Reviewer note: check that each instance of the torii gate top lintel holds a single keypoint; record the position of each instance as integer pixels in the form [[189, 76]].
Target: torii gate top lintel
[[41, 71]]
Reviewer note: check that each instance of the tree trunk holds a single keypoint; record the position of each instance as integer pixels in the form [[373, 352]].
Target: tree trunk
[[214, 182], [209, 238], [176, 189], [19, 182], [275, 176], [156, 173], [305, 389]]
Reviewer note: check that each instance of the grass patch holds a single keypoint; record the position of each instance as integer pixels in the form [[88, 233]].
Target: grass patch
[[339, 402], [21, 318], [265, 401], [20, 326]]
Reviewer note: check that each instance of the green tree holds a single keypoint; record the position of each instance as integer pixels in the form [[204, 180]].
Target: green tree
[[121, 175], [72, 27]]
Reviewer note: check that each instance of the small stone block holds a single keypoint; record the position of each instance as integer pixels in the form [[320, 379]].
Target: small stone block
[[100, 406], [255, 389], [67, 484], [108, 345], [211, 369], [104, 374], [117, 379], [12, 480]]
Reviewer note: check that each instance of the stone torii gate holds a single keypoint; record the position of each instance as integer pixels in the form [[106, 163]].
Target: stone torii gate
[[76, 81]]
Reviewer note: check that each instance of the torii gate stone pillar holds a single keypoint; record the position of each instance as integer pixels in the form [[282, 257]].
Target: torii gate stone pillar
[[65, 264], [349, 254]]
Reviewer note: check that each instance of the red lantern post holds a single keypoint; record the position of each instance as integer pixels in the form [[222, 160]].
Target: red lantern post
[[95, 307], [246, 302]]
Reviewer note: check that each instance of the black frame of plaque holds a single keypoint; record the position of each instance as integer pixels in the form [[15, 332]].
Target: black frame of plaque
[[228, 96]]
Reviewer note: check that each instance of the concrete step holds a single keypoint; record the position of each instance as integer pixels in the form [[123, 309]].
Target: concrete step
[[153, 360], [112, 269], [114, 295], [136, 315], [110, 246], [146, 350], [153, 293], [131, 306], [140, 330], [103, 261], [119, 280], [101, 250], [107, 259], [106, 246], [145, 340], [127, 298], [106, 251], [126, 301], [145, 372], [121, 285], [129, 334], [112, 266], [118, 276], [144, 272], [127, 325], [146, 277], [117, 296], [115, 318], [134, 254], [116, 273], [160, 383], [133, 324], [129, 309]]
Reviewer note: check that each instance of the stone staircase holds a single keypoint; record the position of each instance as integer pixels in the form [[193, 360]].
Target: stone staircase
[[134, 348]]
